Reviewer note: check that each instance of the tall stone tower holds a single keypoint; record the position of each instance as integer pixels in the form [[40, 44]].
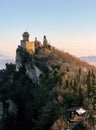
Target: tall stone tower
[[26, 44], [26, 36], [25, 39]]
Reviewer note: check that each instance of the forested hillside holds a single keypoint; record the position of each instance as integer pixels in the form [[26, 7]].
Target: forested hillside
[[43, 86]]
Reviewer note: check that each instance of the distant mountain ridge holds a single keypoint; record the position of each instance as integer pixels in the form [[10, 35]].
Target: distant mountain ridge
[[4, 56], [89, 59], [5, 59]]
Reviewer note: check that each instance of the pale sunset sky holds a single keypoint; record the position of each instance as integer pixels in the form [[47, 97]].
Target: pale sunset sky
[[68, 24]]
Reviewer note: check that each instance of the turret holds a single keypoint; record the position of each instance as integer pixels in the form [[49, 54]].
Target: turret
[[26, 36], [45, 42], [25, 39], [36, 42]]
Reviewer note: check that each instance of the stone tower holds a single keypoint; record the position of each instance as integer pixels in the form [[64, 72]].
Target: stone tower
[[26, 44], [25, 39], [26, 36], [45, 42]]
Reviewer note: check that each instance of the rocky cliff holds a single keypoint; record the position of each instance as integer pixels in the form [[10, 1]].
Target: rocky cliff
[[43, 86], [24, 59]]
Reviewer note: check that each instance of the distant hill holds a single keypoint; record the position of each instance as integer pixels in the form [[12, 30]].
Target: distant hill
[[5, 59], [2, 56], [90, 59]]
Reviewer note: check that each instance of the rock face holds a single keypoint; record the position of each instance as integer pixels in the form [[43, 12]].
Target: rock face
[[33, 73], [24, 59], [18, 61]]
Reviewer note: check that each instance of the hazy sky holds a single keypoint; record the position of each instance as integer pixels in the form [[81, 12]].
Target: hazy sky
[[68, 24]]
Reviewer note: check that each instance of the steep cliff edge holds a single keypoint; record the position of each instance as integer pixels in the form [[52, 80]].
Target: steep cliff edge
[[24, 59]]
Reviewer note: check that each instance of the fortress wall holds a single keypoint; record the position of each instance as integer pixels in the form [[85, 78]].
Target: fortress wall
[[30, 47]]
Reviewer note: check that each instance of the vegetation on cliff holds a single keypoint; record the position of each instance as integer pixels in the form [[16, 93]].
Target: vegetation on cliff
[[45, 85]]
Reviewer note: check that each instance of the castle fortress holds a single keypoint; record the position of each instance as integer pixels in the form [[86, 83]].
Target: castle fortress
[[32, 46]]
